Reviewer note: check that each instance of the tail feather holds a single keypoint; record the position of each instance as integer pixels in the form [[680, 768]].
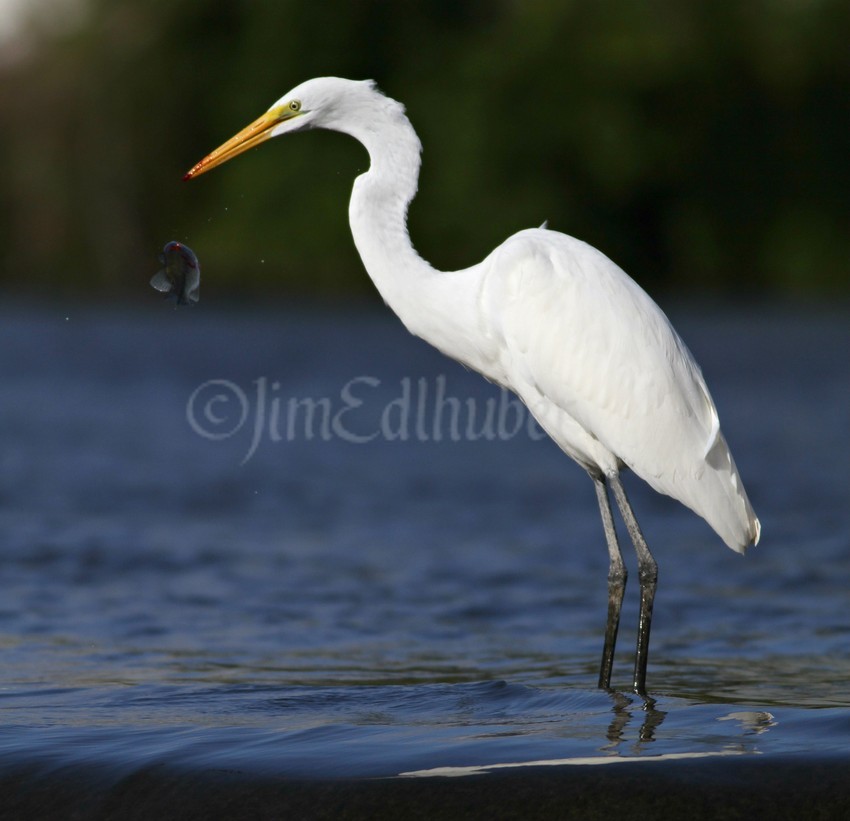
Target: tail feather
[[717, 494]]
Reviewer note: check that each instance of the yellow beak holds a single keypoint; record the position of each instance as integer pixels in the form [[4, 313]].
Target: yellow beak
[[257, 132]]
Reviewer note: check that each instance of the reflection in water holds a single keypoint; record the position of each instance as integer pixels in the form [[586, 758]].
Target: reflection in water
[[624, 709], [624, 706], [753, 722]]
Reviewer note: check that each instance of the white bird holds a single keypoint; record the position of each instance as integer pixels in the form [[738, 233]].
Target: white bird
[[552, 319]]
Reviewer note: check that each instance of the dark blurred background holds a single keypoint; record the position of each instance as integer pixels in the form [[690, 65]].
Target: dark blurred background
[[702, 145]]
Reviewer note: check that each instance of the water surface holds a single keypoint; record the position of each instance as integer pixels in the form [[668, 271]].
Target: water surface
[[194, 577]]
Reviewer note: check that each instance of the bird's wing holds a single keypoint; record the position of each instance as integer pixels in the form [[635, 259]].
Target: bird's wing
[[589, 339]]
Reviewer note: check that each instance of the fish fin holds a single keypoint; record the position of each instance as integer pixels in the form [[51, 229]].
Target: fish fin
[[545, 225], [193, 295], [161, 282]]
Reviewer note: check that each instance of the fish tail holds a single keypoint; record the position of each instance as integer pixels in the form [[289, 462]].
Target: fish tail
[[161, 282]]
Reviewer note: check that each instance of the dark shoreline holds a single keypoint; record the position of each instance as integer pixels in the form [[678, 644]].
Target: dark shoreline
[[773, 787]]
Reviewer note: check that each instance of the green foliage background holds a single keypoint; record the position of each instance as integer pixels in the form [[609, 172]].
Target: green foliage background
[[701, 144]]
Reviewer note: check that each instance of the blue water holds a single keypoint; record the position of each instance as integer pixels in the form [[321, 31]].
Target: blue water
[[192, 574]]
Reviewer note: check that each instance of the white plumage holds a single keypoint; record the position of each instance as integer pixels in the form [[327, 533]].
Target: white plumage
[[602, 369], [549, 317]]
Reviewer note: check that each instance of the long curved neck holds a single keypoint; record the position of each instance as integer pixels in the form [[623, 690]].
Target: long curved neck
[[378, 215], [431, 304]]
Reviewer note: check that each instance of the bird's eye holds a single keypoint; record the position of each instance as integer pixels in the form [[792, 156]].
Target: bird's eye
[[295, 105]]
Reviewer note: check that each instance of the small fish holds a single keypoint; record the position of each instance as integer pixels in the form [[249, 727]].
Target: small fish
[[180, 275]]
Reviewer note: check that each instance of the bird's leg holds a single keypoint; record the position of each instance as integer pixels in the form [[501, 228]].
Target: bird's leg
[[648, 575], [617, 576]]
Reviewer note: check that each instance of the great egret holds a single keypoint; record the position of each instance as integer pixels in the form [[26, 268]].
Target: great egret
[[549, 317]]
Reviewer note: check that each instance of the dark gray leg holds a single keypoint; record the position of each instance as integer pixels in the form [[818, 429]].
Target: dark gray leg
[[617, 576], [648, 575]]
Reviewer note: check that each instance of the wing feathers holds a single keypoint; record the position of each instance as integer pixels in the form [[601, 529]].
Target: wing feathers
[[589, 341]]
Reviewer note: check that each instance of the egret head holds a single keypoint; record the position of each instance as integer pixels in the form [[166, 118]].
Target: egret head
[[325, 102]]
